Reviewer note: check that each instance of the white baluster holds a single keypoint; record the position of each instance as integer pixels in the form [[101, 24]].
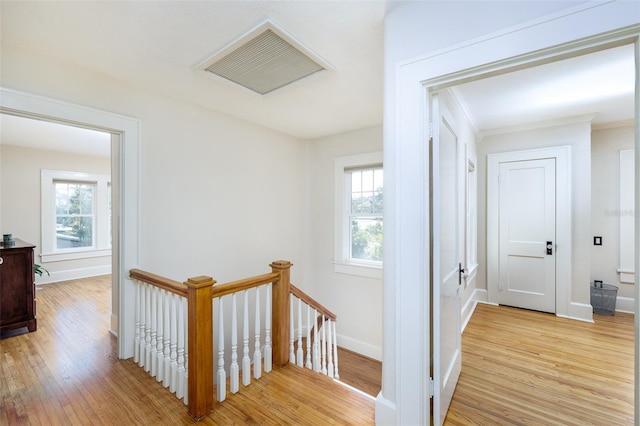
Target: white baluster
[[292, 354], [143, 307], [181, 349], [299, 352], [267, 332], [154, 330], [323, 348], [257, 355], [233, 370], [308, 363], [246, 361], [335, 353], [222, 377], [173, 384], [185, 381], [166, 375], [136, 339], [147, 330], [160, 336], [329, 350], [316, 343]]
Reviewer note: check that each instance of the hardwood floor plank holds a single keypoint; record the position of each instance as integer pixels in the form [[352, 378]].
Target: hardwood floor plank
[[530, 368]]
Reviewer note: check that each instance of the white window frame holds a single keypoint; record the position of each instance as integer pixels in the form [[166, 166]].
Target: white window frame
[[342, 239], [101, 244]]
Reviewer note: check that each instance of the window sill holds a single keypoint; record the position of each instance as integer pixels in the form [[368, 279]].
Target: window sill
[[368, 271], [74, 255]]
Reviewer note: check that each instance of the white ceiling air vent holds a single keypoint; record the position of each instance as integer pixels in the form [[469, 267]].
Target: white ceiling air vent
[[264, 60]]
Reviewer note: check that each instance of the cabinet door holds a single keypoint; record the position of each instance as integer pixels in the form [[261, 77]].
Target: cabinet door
[[16, 286]]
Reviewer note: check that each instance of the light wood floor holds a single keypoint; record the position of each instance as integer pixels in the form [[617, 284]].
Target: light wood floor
[[519, 368], [67, 373], [529, 368]]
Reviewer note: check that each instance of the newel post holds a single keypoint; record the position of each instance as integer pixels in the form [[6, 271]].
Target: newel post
[[200, 345], [280, 312]]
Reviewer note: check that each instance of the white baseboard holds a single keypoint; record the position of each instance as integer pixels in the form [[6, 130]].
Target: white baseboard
[[467, 309], [360, 347], [625, 304], [579, 311], [73, 274]]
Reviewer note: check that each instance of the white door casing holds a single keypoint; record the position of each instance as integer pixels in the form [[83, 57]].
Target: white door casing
[[125, 174], [446, 268], [527, 228], [563, 241]]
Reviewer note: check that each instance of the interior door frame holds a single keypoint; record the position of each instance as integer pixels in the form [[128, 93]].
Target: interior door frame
[[125, 169], [404, 395], [562, 155]]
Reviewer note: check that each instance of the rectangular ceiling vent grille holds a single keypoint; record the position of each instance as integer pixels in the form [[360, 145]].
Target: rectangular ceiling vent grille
[[264, 63]]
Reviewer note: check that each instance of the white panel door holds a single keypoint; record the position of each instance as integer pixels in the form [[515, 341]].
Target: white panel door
[[527, 227], [446, 348]]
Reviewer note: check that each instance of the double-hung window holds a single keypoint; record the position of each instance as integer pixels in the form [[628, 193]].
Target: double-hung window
[[76, 216], [359, 215]]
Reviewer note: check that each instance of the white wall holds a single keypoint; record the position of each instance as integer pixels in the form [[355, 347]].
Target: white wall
[[605, 219], [20, 203], [356, 300], [219, 196]]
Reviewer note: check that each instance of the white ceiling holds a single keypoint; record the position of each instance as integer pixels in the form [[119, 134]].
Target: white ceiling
[[157, 45]]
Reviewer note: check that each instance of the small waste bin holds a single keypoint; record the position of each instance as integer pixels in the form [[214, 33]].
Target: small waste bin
[[603, 298]]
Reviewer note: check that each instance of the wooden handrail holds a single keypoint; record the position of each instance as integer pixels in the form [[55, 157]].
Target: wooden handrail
[[172, 286], [312, 302], [220, 290]]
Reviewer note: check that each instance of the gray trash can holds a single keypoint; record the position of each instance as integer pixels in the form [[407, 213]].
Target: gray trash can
[[603, 298]]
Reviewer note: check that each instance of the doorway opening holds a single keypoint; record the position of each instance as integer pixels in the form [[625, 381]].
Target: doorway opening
[[125, 135]]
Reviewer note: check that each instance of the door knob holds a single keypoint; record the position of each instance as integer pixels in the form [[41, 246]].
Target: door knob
[[549, 247]]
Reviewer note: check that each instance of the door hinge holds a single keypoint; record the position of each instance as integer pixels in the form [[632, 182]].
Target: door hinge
[[431, 387], [430, 130], [499, 178], [500, 287]]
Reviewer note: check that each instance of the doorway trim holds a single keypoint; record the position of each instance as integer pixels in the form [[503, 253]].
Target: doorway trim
[[125, 179], [404, 397], [562, 155]]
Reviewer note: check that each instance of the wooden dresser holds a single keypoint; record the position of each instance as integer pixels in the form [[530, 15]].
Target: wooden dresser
[[17, 287]]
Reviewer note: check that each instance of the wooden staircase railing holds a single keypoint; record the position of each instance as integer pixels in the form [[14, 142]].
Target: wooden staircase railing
[[174, 332]]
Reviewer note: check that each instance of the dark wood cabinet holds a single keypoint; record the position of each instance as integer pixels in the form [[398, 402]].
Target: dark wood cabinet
[[17, 287]]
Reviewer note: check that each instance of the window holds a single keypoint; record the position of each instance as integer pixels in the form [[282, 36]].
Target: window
[[359, 215], [75, 215]]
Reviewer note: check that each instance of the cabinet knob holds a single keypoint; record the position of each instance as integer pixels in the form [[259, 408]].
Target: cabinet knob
[[1, 261]]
